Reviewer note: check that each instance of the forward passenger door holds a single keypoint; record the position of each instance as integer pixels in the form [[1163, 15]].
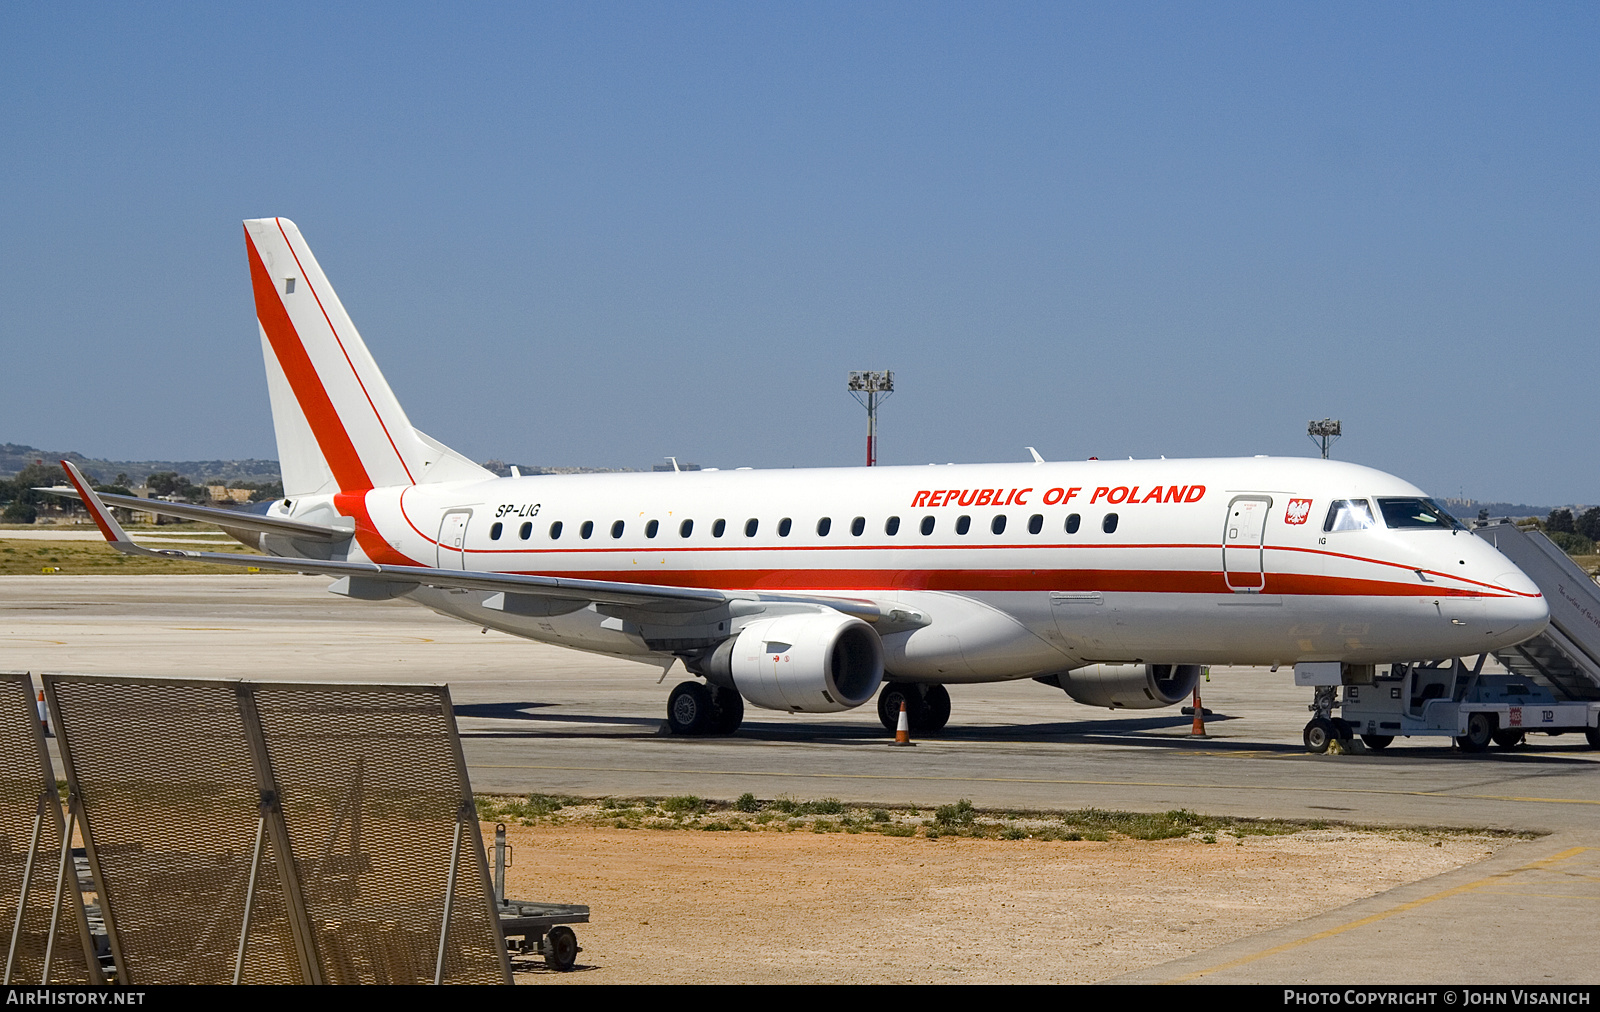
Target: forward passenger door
[[1244, 563]]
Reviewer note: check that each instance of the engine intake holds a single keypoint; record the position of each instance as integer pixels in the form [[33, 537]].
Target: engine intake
[[819, 662], [1129, 686]]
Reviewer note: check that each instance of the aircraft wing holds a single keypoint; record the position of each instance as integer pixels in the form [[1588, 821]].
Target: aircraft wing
[[549, 588], [238, 519]]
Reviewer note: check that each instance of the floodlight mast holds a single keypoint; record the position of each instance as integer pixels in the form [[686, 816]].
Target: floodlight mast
[[1324, 433], [876, 388]]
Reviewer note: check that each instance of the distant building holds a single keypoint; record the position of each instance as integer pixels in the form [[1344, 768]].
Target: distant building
[[222, 493]]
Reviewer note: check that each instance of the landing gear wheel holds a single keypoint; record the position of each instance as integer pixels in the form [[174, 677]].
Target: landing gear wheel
[[1480, 731], [937, 701], [1318, 735], [560, 947], [690, 709], [727, 710], [1508, 738], [889, 700], [1377, 742], [1593, 734]]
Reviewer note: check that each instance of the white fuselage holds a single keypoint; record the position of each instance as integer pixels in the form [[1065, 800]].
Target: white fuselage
[[1176, 580]]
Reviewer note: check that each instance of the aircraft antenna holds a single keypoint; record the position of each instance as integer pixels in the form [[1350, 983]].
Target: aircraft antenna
[[871, 389], [1324, 433]]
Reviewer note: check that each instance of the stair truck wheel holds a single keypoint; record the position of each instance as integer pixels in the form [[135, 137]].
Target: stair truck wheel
[[1480, 732]]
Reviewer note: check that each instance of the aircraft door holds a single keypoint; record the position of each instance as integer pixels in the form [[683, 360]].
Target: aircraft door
[[453, 540], [1243, 557]]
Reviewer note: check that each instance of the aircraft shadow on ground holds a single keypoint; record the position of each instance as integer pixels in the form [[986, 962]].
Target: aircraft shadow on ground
[[1106, 731], [646, 727], [1142, 732]]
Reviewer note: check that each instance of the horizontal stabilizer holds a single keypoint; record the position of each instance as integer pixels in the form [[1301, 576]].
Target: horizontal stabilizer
[[236, 519]]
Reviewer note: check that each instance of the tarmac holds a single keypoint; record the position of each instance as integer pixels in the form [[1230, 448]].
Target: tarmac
[[536, 718]]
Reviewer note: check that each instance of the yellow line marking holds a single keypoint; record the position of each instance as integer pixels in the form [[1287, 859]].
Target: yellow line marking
[[1040, 780], [1585, 900], [1402, 908]]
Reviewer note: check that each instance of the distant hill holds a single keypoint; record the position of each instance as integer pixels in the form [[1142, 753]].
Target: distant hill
[[1468, 509], [14, 457]]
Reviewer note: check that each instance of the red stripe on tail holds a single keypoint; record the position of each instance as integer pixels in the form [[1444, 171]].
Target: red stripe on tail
[[333, 439]]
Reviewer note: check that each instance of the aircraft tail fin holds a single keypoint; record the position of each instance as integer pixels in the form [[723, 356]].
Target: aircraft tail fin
[[339, 426]]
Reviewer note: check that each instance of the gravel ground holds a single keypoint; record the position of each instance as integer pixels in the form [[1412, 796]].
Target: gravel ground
[[683, 906]]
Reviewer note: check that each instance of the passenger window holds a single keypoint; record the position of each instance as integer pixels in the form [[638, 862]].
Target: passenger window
[[718, 527], [586, 530], [1036, 523], [495, 529], [891, 526], [927, 526], [750, 527], [555, 531], [783, 527], [858, 526], [526, 532], [1109, 524], [824, 526], [1073, 521], [1349, 515], [686, 528], [616, 529], [963, 524], [998, 524], [651, 528]]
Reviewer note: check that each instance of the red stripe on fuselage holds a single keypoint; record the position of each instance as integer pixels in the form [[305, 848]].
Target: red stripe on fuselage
[[973, 580], [371, 540]]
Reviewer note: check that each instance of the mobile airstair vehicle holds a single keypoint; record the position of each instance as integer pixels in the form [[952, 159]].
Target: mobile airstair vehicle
[[1551, 685]]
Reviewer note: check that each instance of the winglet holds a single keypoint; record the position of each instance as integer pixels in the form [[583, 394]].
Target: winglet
[[91, 500]]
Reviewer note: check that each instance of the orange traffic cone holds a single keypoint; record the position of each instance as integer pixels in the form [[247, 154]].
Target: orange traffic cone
[[44, 716], [1199, 729], [902, 732]]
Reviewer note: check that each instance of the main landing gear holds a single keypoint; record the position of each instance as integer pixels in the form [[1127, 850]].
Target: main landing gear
[[927, 706], [699, 709]]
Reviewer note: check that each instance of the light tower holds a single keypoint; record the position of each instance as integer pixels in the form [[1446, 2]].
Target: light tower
[[871, 388], [1324, 433]]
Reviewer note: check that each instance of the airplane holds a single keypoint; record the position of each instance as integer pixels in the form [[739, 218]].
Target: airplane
[[810, 591]]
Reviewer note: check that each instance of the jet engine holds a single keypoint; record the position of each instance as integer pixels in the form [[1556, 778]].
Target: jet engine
[[1128, 686], [813, 662]]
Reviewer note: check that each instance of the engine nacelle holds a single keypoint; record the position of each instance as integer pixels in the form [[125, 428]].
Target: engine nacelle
[[1129, 686], [816, 662]]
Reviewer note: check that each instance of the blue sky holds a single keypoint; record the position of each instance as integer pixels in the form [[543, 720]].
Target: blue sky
[[603, 233]]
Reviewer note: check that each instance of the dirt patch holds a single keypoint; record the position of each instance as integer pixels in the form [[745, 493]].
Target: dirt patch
[[680, 906]]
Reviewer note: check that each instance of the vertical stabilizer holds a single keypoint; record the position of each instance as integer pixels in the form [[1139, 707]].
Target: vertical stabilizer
[[339, 426]]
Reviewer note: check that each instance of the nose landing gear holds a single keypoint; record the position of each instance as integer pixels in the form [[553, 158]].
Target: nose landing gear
[[1324, 728]]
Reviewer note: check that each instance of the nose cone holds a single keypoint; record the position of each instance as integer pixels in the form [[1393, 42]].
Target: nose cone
[[1518, 616]]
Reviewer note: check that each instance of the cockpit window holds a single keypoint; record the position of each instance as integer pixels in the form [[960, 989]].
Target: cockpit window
[[1423, 513], [1349, 515]]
